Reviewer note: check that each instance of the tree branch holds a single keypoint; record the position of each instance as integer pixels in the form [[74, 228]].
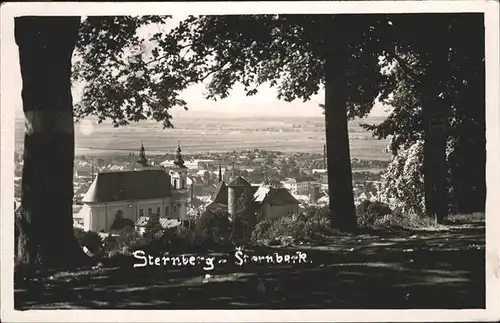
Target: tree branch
[[167, 54], [212, 71], [408, 70]]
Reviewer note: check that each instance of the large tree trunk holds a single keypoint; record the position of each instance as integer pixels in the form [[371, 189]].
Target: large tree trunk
[[435, 168], [341, 197], [436, 111], [45, 226]]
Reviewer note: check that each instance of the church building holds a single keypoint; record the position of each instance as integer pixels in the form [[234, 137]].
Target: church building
[[143, 191]]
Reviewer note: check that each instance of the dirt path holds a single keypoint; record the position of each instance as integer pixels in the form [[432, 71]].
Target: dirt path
[[441, 269]]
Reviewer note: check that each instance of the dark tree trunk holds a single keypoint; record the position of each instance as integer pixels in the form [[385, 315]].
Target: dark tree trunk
[[436, 111], [340, 188], [435, 168], [45, 226]]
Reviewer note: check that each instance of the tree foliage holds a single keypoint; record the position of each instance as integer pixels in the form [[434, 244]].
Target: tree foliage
[[286, 52], [460, 87], [127, 74], [130, 74]]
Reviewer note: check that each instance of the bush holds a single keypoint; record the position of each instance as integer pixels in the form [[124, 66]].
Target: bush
[[320, 222], [183, 234], [410, 221], [89, 239], [260, 231], [209, 228], [313, 226], [368, 212]]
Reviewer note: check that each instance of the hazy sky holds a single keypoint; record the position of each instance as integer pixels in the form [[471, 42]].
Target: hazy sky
[[237, 104]]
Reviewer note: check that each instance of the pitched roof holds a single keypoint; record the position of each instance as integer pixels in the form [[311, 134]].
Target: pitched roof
[[128, 185], [217, 208], [219, 194], [239, 181], [275, 196], [260, 194], [281, 196]]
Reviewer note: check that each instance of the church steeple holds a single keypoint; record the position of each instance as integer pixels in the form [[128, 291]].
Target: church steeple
[[142, 155], [179, 162], [220, 172]]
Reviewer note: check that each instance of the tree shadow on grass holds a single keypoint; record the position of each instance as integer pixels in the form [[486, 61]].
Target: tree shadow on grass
[[428, 270]]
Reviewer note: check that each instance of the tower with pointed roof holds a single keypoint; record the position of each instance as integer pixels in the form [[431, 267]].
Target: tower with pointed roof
[[220, 172], [178, 178], [179, 172], [179, 162], [142, 156]]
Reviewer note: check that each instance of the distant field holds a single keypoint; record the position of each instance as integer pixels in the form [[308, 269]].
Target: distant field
[[212, 135]]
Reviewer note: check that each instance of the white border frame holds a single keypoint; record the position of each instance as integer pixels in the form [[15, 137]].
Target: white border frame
[[491, 10]]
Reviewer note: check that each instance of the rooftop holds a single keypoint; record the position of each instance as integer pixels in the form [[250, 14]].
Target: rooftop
[[128, 185], [274, 196], [238, 181], [219, 193]]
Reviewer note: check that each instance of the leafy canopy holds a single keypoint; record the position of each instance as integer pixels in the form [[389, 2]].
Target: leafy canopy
[[460, 82], [129, 76]]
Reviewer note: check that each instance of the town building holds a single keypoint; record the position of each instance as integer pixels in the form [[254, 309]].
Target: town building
[[300, 187], [290, 184], [265, 202], [314, 194], [303, 187], [194, 164], [132, 194]]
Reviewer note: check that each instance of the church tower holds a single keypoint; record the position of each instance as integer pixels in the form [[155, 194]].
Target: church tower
[[179, 172], [181, 194], [142, 156], [140, 163]]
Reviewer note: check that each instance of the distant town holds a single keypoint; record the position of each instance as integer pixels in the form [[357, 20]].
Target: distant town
[[302, 175]]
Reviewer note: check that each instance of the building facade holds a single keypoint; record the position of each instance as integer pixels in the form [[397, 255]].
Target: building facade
[[132, 194]]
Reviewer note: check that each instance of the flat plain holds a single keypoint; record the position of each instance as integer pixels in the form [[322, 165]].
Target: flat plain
[[218, 134]]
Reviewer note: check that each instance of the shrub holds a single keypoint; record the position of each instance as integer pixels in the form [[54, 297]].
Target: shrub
[[471, 217], [183, 234], [79, 233], [409, 221], [260, 230], [306, 227], [368, 212], [89, 239], [319, 222], [209, 228]]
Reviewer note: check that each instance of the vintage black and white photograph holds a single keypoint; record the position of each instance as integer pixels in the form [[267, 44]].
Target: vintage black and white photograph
[[249, 161]]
